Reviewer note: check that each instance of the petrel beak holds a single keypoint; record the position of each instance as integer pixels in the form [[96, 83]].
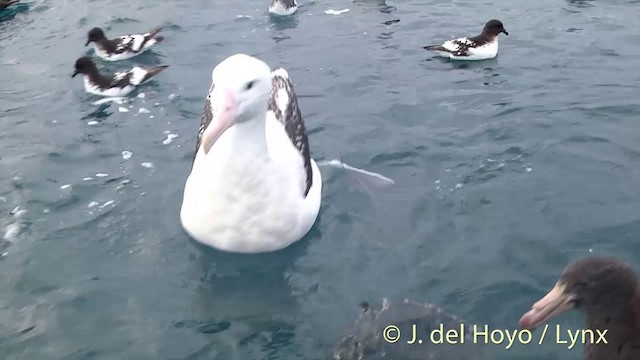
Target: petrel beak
[[555, 302], [505, 32], [74, 74], [224, 108], [87, 43]]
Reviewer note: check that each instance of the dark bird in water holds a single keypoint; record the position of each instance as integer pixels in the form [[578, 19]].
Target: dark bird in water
[[119, 84], [396, 332], [607, 291], [480, 47], [6, 3], [123, 47]]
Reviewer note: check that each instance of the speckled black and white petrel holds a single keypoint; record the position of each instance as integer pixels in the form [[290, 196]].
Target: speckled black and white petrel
[[118, 84], [283, 7], [481, 47], [123, 47], [6, 3]]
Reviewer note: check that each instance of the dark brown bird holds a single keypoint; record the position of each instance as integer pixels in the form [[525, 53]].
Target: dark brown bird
[[607, 291], [6, 3]]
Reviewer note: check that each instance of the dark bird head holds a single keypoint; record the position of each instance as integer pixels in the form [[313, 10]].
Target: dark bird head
[[599, 286], [95, 34], [493, 28], [84, 65], [6, 3]]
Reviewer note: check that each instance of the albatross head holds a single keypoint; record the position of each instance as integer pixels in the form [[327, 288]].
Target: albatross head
[[239, 93]]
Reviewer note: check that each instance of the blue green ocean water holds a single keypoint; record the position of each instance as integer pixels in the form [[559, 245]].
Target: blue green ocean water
[[505, 170]]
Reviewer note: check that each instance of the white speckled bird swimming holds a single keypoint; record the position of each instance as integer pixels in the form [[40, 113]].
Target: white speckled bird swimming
[[120, 83], [123, 47], [253, 186], [481, 47]]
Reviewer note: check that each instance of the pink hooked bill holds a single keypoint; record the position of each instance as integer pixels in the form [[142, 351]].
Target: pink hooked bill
[[224, 108]]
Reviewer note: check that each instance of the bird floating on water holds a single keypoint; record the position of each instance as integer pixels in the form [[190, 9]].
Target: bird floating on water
[[480, 47], [283, 7], [416, 320], [118, 84], [253, 185], [608, 291], [6, 3], [123, 47]]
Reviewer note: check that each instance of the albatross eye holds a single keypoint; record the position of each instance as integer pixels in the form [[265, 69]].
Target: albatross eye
[[250, 85]]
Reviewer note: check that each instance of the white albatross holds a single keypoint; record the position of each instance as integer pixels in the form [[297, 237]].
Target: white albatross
[[253, 186]]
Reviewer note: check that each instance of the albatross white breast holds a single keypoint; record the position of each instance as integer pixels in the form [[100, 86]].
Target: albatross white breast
[[253, 186]]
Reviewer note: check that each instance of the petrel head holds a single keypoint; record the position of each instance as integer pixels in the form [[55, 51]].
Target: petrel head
[[493, 28], [95, 34]]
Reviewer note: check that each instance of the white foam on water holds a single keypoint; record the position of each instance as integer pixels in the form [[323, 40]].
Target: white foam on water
[[110, 202], [172, 96], [141, 96], [340, 164], [143, 111], [123, 183], [87, 179], [169, 139], [117, 100], [370, 180], [93, 123], [66, 186], [127, 154], [18, 212], [93, 204], [11, 231], [529, 169], [335, 12], [123, 109], [147, 165], [102, 175]]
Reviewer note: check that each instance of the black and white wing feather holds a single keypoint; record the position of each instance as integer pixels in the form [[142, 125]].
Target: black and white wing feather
[[287, 112], [135, 43], [207, 116], [457, 47]]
